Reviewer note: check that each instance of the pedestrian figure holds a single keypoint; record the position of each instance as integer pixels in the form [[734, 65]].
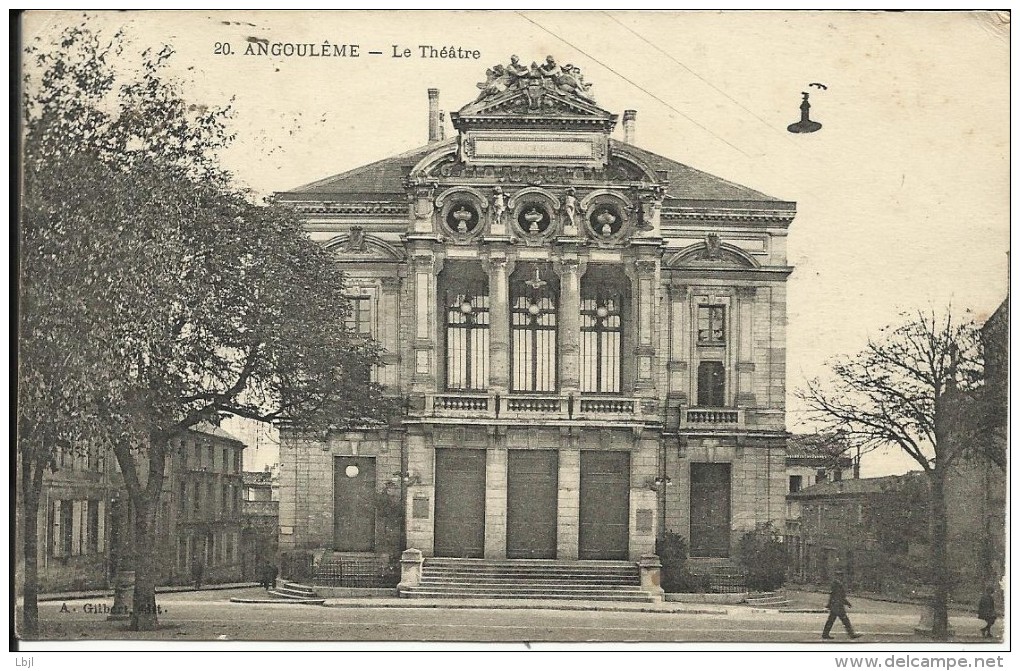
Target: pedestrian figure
[[197, 569], [837, 608], [272, 575], [986, 612]]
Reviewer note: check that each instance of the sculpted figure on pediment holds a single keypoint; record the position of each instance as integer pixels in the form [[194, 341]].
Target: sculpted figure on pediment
[[497, 80]]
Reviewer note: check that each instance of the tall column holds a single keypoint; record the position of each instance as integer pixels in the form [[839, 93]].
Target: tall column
[[745, 347], [569, 319], [426, 267], [679, 343], [643, 280], [499, 323]]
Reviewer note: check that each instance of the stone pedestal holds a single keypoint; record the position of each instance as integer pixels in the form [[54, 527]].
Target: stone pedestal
[[411, 561], [651, 568]]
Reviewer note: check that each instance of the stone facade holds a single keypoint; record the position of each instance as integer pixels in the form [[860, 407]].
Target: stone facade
[[199, 516], [78, 508], [623, 323]]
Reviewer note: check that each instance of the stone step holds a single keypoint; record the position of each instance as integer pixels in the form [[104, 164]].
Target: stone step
[[291, 590], [525, 563], [479, 570], [485, 584], [516, 580], [420, 593]]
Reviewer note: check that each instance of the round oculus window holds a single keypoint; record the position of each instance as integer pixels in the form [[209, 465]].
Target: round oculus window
[[462, 217], [533, 219], [352, 471], [605, 220]]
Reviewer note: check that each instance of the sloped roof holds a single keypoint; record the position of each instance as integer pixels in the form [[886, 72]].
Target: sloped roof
[[381, 180], [384, 181], [687, 183], [213, 430], [854, 487]]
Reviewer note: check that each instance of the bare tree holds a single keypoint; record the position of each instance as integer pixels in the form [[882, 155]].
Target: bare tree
[[913, 387]]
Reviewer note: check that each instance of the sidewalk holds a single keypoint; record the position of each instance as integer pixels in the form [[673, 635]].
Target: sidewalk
[[528, 604], [168, 589]]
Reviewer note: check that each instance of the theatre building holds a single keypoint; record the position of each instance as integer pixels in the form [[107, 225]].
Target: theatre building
[[590, 339]]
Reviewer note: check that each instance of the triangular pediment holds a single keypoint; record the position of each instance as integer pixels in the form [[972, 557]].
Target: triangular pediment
[[547, 94], [528, 102]]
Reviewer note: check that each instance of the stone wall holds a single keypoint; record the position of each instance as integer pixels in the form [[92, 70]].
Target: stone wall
[[306, 482]]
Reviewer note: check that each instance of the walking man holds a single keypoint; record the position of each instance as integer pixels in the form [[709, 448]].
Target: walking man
[[837, 608], [986, 612]]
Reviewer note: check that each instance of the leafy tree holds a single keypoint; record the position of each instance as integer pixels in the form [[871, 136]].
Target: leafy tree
[[201, 301], [912, 388]]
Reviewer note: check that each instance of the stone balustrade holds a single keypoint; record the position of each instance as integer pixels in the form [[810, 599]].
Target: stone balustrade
[[545, 406], [711, 417]]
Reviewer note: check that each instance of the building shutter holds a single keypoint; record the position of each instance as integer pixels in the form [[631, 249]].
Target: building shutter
[[56, 548], [76, 527], [101, 531]]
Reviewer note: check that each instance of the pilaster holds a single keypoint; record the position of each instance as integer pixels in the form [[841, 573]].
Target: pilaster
[[569, 313]]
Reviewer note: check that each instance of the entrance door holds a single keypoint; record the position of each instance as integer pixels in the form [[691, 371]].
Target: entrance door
[[710, 510], [460, 503], [605, 505], [532, 484], [354, 504]]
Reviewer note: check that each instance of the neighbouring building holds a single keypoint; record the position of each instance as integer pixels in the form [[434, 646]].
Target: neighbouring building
[[199, 518], [870, 532], [811, 459], [976, 483], [77, 536], [590, 338], [260, 520]]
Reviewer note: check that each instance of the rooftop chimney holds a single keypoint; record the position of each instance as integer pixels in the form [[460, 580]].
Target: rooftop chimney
[[434, 115], [442, 126], [628, 125]]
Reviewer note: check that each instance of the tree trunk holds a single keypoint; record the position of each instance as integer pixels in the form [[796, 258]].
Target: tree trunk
[[31, 486], [939, 555], [144, 615]]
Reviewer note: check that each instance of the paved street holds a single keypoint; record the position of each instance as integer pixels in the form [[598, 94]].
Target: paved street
[[211, 616]]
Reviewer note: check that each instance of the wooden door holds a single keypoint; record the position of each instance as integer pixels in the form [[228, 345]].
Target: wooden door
[[605, 505], [532, 488], [354, 504], [460, 503], [710, 510]]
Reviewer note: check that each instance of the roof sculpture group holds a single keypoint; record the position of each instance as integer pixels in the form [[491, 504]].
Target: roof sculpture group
[[548, 76]]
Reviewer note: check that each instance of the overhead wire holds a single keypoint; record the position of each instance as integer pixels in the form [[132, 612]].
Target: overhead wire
[[703, 79], [634, 84]]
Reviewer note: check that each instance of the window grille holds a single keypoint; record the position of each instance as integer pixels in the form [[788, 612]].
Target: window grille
[[533, 329], [467, 341], [601, 341]]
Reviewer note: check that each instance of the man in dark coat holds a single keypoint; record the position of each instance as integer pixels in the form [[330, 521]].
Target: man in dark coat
[[986, 612], [837, 608]]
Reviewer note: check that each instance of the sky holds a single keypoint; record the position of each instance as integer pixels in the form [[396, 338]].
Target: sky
[[902, 196]]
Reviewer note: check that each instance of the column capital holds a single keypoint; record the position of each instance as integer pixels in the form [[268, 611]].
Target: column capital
[[746, 293], [569, 265]]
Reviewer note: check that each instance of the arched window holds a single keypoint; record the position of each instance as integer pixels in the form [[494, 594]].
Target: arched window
[[603, 294], [534, 290], [466, 306]]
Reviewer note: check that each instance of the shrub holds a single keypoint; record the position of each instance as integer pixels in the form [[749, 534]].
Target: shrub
[[672, 551], [763, 557], [695, 583]]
